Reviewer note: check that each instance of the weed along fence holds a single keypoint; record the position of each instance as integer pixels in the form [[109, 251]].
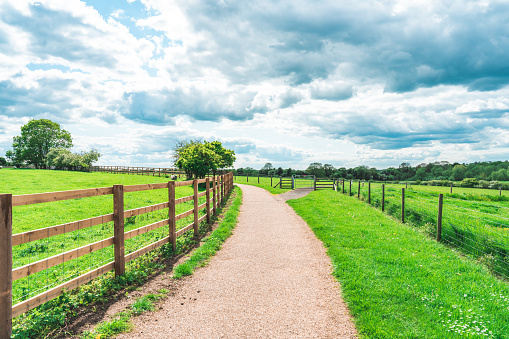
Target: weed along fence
[[27, 282], [471, 223]]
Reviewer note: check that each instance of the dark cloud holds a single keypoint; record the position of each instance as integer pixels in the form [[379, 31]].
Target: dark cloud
[[162, 107], [453, 43]]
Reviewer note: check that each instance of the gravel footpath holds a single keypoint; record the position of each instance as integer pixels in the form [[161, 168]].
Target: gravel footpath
[[271, 279]]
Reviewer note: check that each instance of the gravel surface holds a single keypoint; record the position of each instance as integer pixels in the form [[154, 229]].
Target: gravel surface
[[271, 279]]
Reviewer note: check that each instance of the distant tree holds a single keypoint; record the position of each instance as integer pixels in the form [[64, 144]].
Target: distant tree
[[266, 168], [61, 158], [288, 172], [328, 170], [458, 172], [3, 161], [315, 169], [279, 171], [36, 139]]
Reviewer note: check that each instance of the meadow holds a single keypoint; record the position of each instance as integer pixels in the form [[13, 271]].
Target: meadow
[[30, 217], [473, 221], [399, 283], [263, 182]]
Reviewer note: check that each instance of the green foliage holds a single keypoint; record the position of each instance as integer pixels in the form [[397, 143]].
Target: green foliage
[[197, 158], [36, 139], [3, 161], [61, 158], [397, 282]]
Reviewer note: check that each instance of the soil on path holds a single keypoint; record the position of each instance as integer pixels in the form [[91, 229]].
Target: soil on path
[[271, 279]]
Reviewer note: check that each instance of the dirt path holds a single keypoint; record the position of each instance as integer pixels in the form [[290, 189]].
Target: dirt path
[[271, 280]]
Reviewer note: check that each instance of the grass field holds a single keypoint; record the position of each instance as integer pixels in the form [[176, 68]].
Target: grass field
[[25, 218], [399, 283], [471, 222]]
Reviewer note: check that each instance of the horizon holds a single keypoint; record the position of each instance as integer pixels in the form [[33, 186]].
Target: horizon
[[348, 84]]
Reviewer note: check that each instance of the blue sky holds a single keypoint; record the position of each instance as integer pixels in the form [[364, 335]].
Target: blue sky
[[372, 83]]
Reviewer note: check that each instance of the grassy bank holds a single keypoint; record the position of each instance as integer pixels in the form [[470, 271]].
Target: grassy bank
[[397, 282]]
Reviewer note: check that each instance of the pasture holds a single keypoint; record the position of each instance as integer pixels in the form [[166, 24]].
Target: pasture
[[31, 217]]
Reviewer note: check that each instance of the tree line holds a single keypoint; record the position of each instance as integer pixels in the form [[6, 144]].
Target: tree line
[[437, 171]]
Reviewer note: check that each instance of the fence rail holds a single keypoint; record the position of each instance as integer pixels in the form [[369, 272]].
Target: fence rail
[[216, 189]]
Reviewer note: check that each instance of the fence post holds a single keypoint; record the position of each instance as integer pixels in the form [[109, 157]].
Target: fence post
[[214, 180], [451, 188], [271, 181], [5, 265], [359, 191], [314, 185], [195, 198], [222, 187], [402, 205], [439, 219], [247, 178], [369, 192], [207, 189], [171, 215], [118, 227], [343, 183], [406, 184], [280, 180], [500, 190], [350, 194], [383, 197]]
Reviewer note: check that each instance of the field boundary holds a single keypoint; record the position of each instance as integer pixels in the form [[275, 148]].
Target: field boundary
[[474, 229], [218, 187]]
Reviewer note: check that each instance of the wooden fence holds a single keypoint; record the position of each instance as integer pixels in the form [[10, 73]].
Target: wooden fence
[[217, 187], [156, 172]]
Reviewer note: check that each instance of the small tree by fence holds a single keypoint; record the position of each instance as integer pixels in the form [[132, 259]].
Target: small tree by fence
[[218, 187]]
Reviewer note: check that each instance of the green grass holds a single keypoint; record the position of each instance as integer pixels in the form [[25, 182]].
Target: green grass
[[212, 243], [26, 218], [264, 183], [472, 223], [399, 283]]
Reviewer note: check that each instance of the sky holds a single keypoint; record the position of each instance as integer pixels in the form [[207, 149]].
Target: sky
[[289, 82]]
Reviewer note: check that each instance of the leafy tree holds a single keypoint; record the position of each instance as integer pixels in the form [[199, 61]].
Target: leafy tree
[[279, 171], [226, 156], [266, 168], [198, 158], [3, 161], [328, 170], [458, 172], [36, 139], [288, 172], [62, 158], [316, 169]]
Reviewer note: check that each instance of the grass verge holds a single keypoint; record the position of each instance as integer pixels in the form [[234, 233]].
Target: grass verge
[[51, 318], [213, 242], [397, 282]]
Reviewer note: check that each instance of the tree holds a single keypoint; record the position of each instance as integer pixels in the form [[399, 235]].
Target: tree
[[3, 161], [266, 168], [328, 170], [316, 169], [36, 139], [226, 156], [61, 158], [198, 158]]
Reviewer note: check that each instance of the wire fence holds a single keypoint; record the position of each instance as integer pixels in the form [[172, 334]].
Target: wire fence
[[475, 227]]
